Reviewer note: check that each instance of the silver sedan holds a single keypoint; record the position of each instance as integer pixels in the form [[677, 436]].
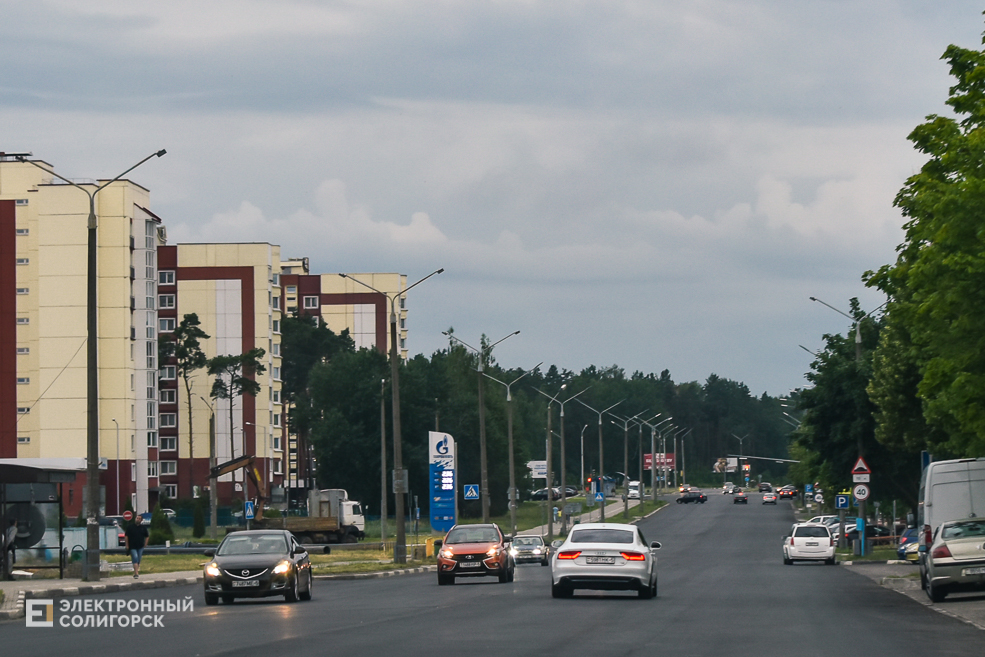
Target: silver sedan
[[607, 557], [956, 560]]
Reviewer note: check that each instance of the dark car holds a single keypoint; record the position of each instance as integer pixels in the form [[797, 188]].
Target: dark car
[[540, 495], [871, 531], [740, 498], [475, 551], [692, 495], [788, 493], [908, 536], [765, 487], [256, 564], [530, 548]]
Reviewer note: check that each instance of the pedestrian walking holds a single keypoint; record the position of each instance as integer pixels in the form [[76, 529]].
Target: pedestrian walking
[[136, 539]]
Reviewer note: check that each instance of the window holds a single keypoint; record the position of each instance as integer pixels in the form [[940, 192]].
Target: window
[[20, 201], [23, 290], [23, 351], [276, 279], [168, 373], [169, 443], [165, 301], [277, 446], [276, 374], [152, 439], [275, 349], [168, 396], [171, 491], [23, 261], [275, 304], [169, 420], [23, 380], [165, 325], [276, 419], [152, 468], [23, 320], [169, 467], [23, 440], [23, 409], [278, 466], [133, 477], [275, 396], [165, 278], [311, 302], [276, 326], [292, 289], [23, 231], [150, 333]]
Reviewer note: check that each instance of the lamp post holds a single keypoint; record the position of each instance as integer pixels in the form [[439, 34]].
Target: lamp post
[[213, 481], [399, 485], [683, 456], [117, 465], [856, 321], [742, 472], [582, 484], [92, 367], [383, 462], [653, 453], [564, 486], [509, 434], [639, 446], [483, 353], [601, 451], [550, 488], [625, 457]]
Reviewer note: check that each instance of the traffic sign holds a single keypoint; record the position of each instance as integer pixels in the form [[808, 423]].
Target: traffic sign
[[861, 492], [249, 511], [809, 488], [471, 491], [128, 515], [841, 501], [861, 478], [819, 498], [861, 467], [599, 496]]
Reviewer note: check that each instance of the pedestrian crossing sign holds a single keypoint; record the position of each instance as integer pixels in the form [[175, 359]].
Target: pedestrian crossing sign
[[599, 497], [471, 491]]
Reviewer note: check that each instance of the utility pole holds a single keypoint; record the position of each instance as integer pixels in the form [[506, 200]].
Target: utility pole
[[601, 451], [383, 495]]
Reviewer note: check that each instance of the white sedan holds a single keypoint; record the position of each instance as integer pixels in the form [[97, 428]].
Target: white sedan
[[607, 557], [809, 541]]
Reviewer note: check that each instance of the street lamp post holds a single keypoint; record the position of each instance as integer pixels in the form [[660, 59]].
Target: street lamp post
[[383, 510], [564, 486], [92, 367], [582, 484], [683, 455], [399, 485], [117, 465], [625, 457], [639, 446], [509, 433], [213, 481], [653, 453], [741, 471], [483, 353], [550, 487], [601, 450]]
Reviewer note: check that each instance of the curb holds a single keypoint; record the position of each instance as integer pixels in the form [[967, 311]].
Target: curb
[[381, 573], [92, 589]]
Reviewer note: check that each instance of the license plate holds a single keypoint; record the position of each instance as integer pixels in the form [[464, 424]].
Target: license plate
[[469, 564], [246, 584], [811, 543], [600, 559], [978, 570]]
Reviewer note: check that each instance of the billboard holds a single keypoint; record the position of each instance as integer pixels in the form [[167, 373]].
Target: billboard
[[663, 460], [441, 449]]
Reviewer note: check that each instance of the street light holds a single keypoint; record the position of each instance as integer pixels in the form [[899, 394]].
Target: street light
[[653, 454], [683, 457], [639, 446], [582, 484], [741, 471], [383, 463], [601, 451], [213, 481], [509, 433], [855, 321], [399, 484], [550, 487], [625, 456], [564, 487], [483, 353], [92, 368], [113, 420]]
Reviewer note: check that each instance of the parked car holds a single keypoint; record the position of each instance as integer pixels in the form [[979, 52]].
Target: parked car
[[692, 495], [871, 531], [912, 552], [949, 490], [809, 542], [907, 538], [258, 563], [530, 548], [605, 556], [765, 487], [823, 519], [955, 561], [541, 494], [740, 498], [769, 498], [475, 551]]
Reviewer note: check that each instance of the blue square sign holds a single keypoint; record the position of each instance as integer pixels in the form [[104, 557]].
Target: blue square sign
[[841, 501], [471, 491]]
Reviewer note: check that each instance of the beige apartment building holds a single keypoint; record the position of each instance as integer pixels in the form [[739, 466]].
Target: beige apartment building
[[43, 229]]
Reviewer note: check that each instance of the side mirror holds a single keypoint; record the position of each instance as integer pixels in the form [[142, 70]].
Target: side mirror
[[209, 553], [300, 550], [507, 539], [558, 543], [656, 545]]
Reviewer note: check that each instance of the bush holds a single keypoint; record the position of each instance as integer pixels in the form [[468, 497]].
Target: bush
[[158, 537], [198, 524], [272, 513], [160, 526]]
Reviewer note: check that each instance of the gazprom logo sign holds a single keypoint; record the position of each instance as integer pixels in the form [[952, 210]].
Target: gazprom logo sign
[[442, 449]]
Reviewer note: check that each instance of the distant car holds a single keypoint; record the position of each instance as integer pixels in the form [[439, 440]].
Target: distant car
[[740, 498], [809, 542], [727, 485], [634, 490], [908, 537], [824, 520], [732, 490], [530, 548], [788, 493], [954, 562], [769, 498], [541, 494], [255, 564], [871, 531], [912, 552], [765, 487], [475, 551], [692, 495], [605, 556]]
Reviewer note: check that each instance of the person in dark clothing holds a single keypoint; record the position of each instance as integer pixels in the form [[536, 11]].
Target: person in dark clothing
[[136, 538]]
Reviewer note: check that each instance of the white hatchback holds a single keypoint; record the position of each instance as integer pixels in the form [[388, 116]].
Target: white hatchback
[[809, 541], [607, 557]]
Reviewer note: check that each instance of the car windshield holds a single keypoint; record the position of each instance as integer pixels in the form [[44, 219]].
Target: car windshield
[[811, 532], [472, 535], [528, 540], [264, 544], [601, 536], [963, 529]]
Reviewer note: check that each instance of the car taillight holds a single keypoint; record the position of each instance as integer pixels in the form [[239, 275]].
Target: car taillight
[[941, 552], [831, 541], [928, 537], [569, 554], [791, 540], [633, 556]]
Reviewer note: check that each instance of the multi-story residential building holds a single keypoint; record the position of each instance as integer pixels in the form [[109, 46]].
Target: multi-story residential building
[[233, 289], [43, 328]]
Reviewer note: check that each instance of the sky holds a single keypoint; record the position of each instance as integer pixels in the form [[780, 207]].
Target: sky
[[649, 184]]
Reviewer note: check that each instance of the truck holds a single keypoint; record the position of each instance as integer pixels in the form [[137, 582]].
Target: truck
[[332, 516]]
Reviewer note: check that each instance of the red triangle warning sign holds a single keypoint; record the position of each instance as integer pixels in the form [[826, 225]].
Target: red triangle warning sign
[[861, 467]]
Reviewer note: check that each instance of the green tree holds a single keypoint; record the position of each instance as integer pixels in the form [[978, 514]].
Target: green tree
[[198, 521], [160, 528], [234, 377], [184, 347], [937, 284]]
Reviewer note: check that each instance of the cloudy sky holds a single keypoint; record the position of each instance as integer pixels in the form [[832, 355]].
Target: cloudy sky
[[652, 184]]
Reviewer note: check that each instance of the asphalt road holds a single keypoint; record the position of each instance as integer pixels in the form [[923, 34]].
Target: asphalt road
[[723, 590]]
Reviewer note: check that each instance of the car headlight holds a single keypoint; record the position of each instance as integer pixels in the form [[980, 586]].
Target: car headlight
[[212, 570], [513, 552], [493, 551], [282, 567], [536, 550], [447, 553]]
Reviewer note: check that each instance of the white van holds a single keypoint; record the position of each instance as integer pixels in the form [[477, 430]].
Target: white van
[[949, 490], [634, 490]]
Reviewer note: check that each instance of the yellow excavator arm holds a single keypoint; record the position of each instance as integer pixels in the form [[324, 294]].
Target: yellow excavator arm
[[245, 462]]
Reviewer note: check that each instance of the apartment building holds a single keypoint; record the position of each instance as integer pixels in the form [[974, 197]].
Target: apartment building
[[43, 328]]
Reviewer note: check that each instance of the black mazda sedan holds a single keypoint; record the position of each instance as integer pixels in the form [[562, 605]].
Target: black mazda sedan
[[256, 564]]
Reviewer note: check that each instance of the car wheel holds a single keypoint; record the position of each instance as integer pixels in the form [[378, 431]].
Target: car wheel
[[292, 591], [544, 562], [211, 599], [560, 591], [787, 562], [504, 576], [445, 579], [935, 593], [227, 599], [679, 501], [646, 592], [306, 595]]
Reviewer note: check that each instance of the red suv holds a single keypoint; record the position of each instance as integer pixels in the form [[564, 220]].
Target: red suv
[[475, 551]]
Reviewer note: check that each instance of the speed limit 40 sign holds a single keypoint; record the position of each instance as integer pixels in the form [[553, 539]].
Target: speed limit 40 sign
[[861, 492]]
